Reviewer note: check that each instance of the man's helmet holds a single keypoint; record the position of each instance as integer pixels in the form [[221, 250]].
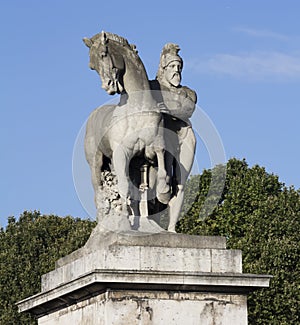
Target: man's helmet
[[168, 54]]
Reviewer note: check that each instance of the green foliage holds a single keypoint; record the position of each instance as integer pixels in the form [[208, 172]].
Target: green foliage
[[29, 248], [260, 216]]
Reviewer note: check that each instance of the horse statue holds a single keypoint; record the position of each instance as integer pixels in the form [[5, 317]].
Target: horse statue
[[131, 131]]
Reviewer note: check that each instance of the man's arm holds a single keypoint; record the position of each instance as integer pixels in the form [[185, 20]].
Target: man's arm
[[182, 103]]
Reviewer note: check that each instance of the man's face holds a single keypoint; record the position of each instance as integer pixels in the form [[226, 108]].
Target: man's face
[[172, 73]]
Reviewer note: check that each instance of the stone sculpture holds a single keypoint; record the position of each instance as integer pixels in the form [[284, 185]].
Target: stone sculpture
[[141, 150]]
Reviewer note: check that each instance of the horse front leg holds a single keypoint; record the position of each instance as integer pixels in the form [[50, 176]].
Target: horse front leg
[[95, 161], [121, 159], [157, 148], [162, 187]]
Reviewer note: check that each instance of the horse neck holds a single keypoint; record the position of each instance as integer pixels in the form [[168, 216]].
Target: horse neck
[[136, 83]]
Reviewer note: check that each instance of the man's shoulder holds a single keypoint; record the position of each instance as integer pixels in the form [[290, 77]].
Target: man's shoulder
[[190, 93]]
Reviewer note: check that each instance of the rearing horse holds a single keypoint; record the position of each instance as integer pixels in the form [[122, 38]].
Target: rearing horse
[[120, 132]]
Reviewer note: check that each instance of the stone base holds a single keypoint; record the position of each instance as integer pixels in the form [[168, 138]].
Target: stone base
[[131, 307], [133, 278]]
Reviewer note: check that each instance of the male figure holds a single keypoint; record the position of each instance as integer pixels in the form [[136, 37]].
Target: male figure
[[178, 104]]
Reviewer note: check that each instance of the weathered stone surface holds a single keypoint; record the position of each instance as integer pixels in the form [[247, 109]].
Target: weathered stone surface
[[103, 240], [156, 252], [123, 280], [153, 307]]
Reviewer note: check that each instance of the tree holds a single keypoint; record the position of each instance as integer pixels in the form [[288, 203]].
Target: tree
[[29, 248], [260, 216]]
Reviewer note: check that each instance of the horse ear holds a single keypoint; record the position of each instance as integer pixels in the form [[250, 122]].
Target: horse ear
[[87, 41]]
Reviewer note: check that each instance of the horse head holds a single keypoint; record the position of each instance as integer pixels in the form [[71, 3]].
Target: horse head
[[107, 61]]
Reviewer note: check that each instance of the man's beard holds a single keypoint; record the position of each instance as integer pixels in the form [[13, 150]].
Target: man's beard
[[176, 79]]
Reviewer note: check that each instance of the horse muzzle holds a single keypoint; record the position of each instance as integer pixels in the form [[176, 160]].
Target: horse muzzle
[[110, 87]]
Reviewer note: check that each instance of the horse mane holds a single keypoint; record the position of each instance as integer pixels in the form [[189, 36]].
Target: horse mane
[[111, 37], [117, 38]]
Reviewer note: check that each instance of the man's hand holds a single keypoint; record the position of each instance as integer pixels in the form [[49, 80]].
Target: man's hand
[[163, 108]]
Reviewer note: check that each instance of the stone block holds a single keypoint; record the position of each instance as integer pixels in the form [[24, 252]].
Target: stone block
[[155, 279], [153, 307]]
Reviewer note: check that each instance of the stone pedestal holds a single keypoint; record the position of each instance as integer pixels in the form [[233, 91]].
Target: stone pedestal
[[133, 278]]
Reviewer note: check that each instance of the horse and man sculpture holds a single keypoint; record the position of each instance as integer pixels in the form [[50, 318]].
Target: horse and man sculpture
[[141, 150]]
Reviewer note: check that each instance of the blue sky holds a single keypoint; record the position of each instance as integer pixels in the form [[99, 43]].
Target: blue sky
[[241, 57]]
